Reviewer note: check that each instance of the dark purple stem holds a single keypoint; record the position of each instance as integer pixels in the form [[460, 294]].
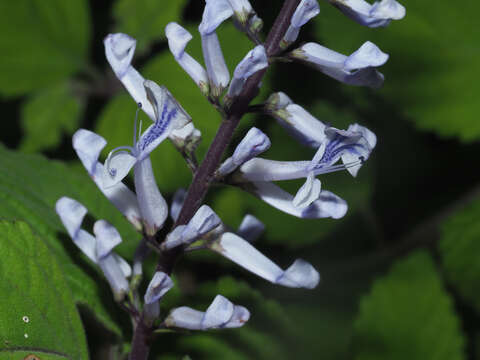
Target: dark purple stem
[[140, 342], [205, 173]]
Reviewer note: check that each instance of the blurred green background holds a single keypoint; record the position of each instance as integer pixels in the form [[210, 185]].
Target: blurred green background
[[400, 273]]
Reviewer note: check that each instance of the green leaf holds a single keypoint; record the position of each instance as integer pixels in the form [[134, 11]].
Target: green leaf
[[430, 61], [37, 307], [47, 115], [116, 121], [408, 315], [43, 42], [29, 187], [460, 248], [29, 355], [145, 20]]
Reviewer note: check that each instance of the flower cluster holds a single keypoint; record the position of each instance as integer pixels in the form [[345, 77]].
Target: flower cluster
[[146, 209]]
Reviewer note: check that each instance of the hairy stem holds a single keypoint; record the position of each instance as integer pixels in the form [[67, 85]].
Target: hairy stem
[[205, 173]]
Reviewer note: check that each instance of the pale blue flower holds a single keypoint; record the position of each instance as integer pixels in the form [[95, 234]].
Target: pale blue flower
[[119, 50], [215, 12], [98, 248], [254, 143], [220, 314], [380, 13], [306, 10], [255, 60], [178, 38], [242, 10], [169, 116], [204, 221], [88, 146], [353, 146], [250, 228], [299, 275], [160, 284], [358, 69]]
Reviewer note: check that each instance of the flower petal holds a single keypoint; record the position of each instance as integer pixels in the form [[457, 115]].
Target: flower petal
[[123, 264], [368, 55], [278, 101], [300, 273], [169, 115], [117, 166], [178, 38], [204, 221], [327, 204], [302, 125], [339, 66], [88, 145], [107, 238], [377, 15], [153, 207], [215, 12], [185, 318], [253, 144], [71, 213], [119, 50], [308, 192], [306, 10], [218, 313], [158, 286], [217, 70], [259, 170], [115, 276], [244, 254], [255, 60], [177, 203], [250, 228]]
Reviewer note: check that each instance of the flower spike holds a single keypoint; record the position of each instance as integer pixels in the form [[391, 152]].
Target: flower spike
[[299, 275]]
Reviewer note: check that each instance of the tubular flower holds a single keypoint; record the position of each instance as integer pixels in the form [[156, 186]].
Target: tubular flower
[[299, 275], [377, 15], [160, 284], [220, 314], [215, 12], [169, 116], [255, 60], [178, 38], [358, 69], [98, 248], [119, 51], [306, 10]]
